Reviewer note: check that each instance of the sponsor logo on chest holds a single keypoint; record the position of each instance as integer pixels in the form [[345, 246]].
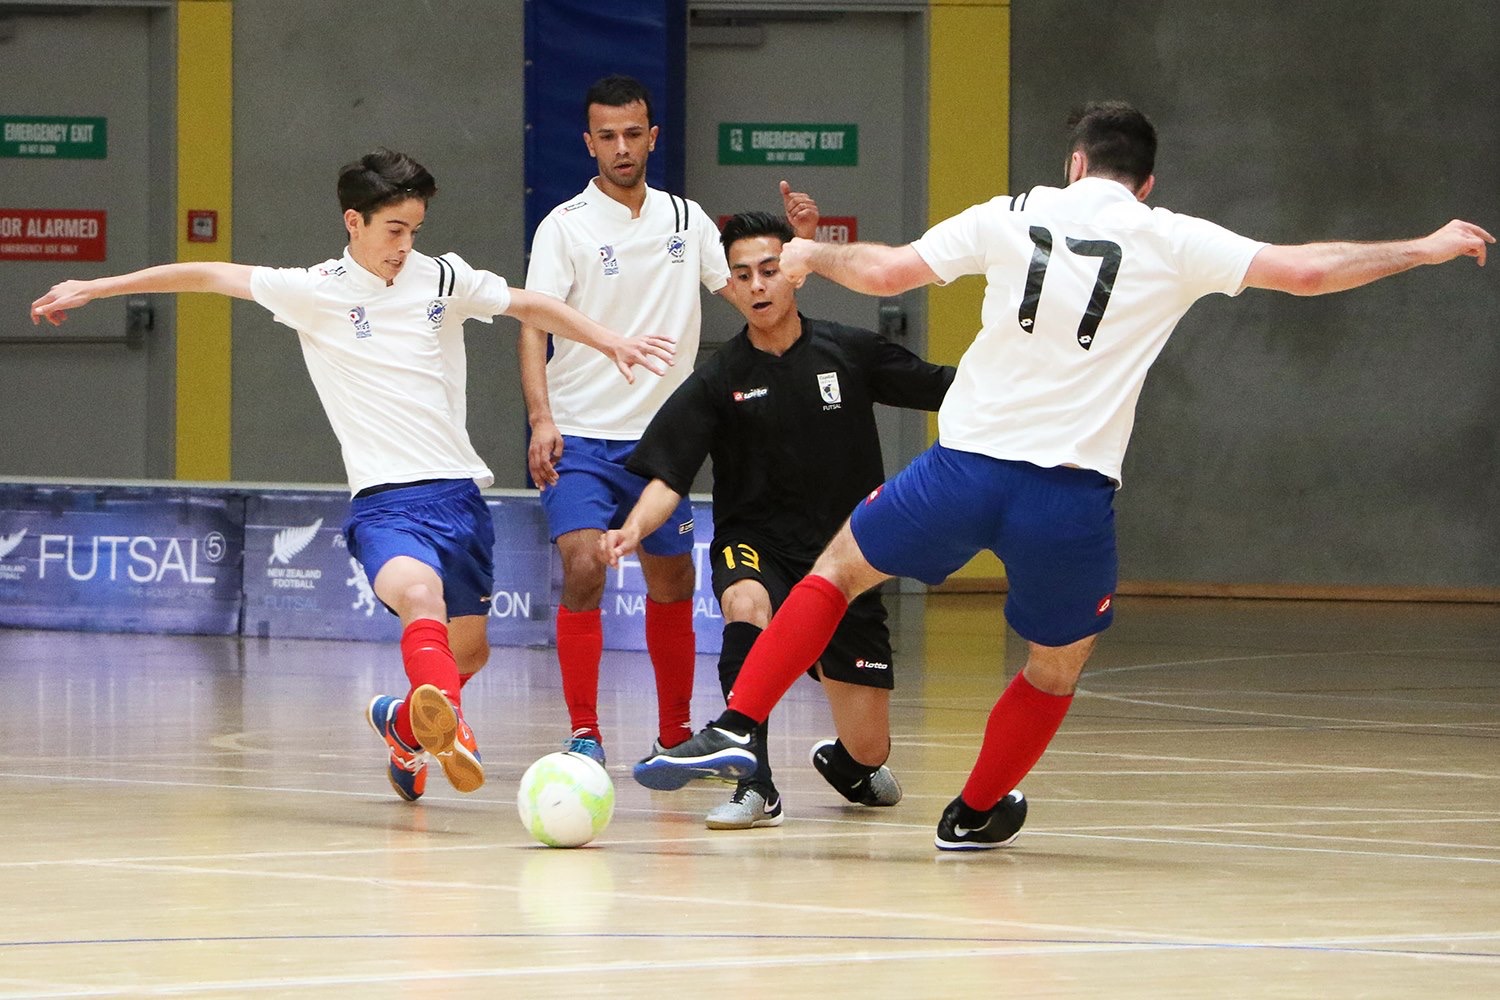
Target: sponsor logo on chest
[[741, 395], [360, 321], [828, 388]]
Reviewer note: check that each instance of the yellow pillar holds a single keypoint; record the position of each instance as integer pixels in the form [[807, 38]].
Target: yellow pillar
[[968, 162], [205, 55]]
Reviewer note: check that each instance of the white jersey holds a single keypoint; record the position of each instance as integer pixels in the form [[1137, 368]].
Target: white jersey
[[635, 276], [388, 360], [1083, 286]]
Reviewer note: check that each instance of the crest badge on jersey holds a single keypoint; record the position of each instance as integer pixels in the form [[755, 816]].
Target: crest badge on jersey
[[435, 311], [361, 324], [828, 388], [608, 260], [677, 247]]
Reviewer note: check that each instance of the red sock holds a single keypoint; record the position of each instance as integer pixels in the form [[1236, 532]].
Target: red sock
[[796, 637], [580, 646], [669, 640], [428, 660], [1021, 725]]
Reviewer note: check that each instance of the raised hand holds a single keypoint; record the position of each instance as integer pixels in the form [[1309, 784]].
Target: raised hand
[[801, 211]]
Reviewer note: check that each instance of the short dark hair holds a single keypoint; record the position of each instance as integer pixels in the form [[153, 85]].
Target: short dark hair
[[748, 225], [1118, 140], [383, 177], [616, 91]]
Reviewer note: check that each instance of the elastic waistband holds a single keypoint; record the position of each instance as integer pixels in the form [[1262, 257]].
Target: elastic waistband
[[370, 491], [397, 494]]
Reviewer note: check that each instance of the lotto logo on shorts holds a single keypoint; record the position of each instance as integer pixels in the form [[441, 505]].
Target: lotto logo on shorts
[[1105, 605], [864, 664], [874, 493], [686, 527]]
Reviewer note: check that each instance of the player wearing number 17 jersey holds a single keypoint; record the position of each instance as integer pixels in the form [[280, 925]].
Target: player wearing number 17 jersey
[[1083, 286]]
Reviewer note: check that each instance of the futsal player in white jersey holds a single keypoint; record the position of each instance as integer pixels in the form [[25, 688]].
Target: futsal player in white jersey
[[381, 330], [1083, 286], [632, 257]]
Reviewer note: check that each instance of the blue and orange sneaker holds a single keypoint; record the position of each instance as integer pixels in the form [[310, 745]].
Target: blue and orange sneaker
[[408, 768], [587, 742], [440, 728]]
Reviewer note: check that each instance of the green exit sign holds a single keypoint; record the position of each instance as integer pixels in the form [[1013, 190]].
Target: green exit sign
[[797, 144], [56, 138]]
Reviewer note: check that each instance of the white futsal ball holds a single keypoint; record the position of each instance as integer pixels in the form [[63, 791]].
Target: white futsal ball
[[565, 799]]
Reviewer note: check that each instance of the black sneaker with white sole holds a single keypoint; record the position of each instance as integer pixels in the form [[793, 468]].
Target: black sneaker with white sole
[[966, 829], [713, 753]]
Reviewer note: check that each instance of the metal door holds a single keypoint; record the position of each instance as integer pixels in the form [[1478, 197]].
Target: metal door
[[91, 398], [816, 68]]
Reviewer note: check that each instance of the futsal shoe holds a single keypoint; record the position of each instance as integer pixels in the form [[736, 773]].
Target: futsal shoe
[[588, 743], [408, 767], [442, 731], [714, 753], [879, 789], [749, 807], [966, 829]]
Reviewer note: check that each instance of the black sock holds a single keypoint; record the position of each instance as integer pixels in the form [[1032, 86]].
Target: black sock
[[844, 773], [738, 638], [736, 722]]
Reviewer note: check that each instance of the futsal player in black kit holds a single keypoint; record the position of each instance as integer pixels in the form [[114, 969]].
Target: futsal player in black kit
[[786, 409]]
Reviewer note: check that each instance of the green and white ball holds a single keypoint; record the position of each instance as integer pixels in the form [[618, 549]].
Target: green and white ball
[[565, 799]]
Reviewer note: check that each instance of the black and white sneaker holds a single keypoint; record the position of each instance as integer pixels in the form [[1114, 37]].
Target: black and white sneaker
[[964, 829], [714, 753]]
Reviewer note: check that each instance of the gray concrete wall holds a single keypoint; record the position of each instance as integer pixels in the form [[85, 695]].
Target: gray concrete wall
[[1349, 439], [316, 85]]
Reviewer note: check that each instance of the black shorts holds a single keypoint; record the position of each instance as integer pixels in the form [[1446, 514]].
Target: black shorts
[[860, 650]]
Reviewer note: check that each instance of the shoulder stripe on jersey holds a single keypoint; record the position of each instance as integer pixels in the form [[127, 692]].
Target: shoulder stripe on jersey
[[1018, 203], [447, 276], [679, 222]]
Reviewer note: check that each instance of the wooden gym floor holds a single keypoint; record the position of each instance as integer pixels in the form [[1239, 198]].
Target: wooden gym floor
[[1249, 799]]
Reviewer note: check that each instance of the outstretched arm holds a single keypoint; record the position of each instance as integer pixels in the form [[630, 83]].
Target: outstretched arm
[[870, 268], [533, 309], [205, 276], [650, 512], [1319, 268]]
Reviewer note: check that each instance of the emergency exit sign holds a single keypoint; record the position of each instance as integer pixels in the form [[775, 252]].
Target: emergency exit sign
[[805, 145], [54, 138]]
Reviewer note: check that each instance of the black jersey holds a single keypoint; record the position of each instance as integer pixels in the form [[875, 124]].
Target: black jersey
[[793, 438]]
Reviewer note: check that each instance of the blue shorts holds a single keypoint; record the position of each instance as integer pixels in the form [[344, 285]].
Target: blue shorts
[[595, 490], [1053, 528], [445, 525]]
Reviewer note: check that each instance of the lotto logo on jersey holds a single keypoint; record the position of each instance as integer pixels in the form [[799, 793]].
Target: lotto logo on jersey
[[435, 311], [875, 493], [756, 393], [336, 272], [361, 324], [607, 260], [676, 248], [1104, 605]]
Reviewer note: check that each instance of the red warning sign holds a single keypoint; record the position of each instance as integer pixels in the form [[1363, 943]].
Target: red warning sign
[[51, 234]]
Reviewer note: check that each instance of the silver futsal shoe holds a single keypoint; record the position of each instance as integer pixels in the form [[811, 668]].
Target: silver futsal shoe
[[746, 810]]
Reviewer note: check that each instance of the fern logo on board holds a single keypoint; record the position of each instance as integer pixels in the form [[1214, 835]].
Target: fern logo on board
[[290, 541]]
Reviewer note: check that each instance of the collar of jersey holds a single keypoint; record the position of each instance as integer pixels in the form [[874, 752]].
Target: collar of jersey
[[613, 208], [1103, 189], [368, 281]]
